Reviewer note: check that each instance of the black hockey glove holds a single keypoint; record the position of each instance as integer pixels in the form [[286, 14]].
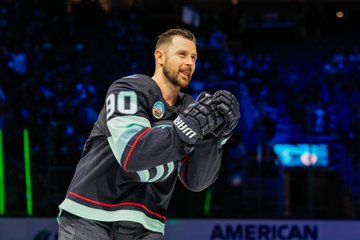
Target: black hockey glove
[[197, 120], [229, 108], [207, 99]]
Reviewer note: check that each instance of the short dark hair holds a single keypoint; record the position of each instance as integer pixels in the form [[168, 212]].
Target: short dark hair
[[168, 36]]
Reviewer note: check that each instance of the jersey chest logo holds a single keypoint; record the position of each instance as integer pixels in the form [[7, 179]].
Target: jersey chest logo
[[158, 110]]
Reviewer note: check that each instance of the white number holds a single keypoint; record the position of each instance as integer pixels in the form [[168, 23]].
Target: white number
[[110, 105], [126, 103]]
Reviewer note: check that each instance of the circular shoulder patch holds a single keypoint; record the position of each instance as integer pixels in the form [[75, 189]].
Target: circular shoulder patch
[[158, 110]]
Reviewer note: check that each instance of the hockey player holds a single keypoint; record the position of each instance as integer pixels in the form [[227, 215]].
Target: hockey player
[[147, 135]]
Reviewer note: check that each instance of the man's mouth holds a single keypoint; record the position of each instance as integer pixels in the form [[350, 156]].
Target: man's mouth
[[186, 73]]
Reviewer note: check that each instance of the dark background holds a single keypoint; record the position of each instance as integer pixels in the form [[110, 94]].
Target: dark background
[[294, 66]]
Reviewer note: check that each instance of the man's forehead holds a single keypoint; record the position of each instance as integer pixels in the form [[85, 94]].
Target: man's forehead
[[181, 43]]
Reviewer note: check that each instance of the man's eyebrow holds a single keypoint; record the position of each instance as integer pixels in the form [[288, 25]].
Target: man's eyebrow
[[187, 52]]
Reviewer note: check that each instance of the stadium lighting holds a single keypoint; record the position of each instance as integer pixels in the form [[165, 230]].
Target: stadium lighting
[[27, 172], [2, 177], [340, 14]]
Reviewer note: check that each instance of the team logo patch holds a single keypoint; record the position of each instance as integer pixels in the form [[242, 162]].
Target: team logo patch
[[158, 110]]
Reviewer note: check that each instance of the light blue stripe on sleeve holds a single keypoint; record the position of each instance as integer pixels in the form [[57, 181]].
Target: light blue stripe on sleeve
[[159, 173], [144, 175], [171, 166], [122, 129]]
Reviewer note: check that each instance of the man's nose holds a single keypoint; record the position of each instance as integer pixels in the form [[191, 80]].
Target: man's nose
[[190, 61]]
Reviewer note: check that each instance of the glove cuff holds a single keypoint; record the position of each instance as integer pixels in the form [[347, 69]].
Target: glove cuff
[[186, 130], [223, 140]]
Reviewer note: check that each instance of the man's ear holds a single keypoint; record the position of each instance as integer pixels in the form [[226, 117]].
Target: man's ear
[[159, 56]]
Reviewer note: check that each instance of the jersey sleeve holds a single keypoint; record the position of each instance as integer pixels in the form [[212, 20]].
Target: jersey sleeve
[[201, 167], [134, 142]]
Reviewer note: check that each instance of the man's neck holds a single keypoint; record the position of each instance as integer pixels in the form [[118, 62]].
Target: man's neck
[[169, 91]]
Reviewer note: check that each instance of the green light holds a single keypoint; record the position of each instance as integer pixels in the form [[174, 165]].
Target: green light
[[27, 172], [2, 178], [207, 203]]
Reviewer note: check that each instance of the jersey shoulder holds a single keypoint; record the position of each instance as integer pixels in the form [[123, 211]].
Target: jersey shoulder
[[139, 83], [135, 90]]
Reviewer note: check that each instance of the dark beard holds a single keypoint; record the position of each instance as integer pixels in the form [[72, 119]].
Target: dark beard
[[172, 78]]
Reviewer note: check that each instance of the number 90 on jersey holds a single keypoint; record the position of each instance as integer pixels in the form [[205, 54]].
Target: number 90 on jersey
[[124, 102]]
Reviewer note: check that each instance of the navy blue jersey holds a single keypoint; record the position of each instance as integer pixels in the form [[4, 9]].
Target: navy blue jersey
[[133, 157]]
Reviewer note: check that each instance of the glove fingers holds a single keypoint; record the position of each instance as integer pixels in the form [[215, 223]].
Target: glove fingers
[[210, 103], [202, 95], [206, 119], [202, 120], [223, 99], [227, 101], [230, 117], [217, 114], [223, 108], [224, 93], [208, 107], [236, 107], [211, 123], [235, 101], [189, 108], [229, 108]]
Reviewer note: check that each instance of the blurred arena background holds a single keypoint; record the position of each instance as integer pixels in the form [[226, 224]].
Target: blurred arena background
[[292, 169]]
